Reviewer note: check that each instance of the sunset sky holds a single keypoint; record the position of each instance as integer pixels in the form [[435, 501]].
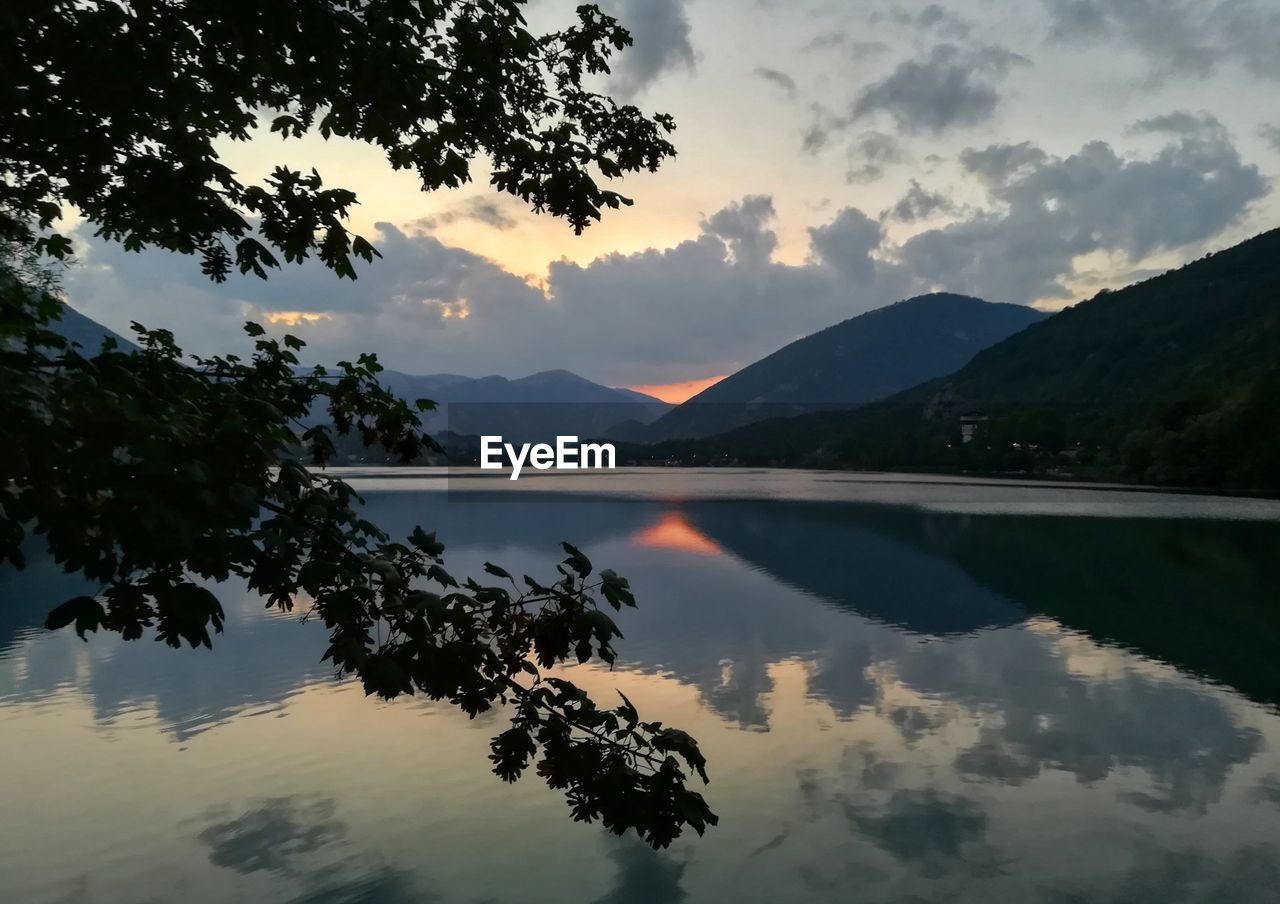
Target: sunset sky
[[834, 157]]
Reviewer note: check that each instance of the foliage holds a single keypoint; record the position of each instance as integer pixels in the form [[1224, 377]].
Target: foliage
[[158, 476], [860, 360], [118, 108]]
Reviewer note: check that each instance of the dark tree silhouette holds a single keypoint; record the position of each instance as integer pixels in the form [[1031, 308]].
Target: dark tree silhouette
[[147, 472]]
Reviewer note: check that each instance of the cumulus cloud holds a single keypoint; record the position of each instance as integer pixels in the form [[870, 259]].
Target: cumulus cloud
[[1178, 37], [778, 78], [489, 211], [1182, 122], [847, 244], [998, 163], [744, 226], [662, 42], [1270, 133], [919, 203], [428, 307], [1049, 210], [950, 87]]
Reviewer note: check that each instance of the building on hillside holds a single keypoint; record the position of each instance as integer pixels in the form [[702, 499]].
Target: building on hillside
[[969, 424]]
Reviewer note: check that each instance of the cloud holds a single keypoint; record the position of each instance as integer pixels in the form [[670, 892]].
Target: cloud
[[951, 87], [645, 317], [998, 163], [946, 23], [871, 154], [480, 209], [825, 123], [662, 42], [847, 243], [1181, 122], [947, 87], [1049, 210], [933, 17], [840, 40], [743, 226], [1270, 132], [919, 204], [428, 307], [777, 77], [1178, 38]]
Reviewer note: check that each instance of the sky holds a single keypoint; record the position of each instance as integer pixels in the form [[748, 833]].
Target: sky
[[833, 157]]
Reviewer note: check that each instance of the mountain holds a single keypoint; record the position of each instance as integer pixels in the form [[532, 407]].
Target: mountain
[[863, 359], [656, 406], [1171, 381], [87, 333], [533, 408]]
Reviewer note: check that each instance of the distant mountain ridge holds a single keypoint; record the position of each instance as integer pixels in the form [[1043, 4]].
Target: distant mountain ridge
[[548, 403], [86, 332], [533, 408], [1171, 381], [859, 360]]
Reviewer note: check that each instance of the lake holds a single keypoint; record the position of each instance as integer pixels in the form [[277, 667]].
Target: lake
[[909, 689]]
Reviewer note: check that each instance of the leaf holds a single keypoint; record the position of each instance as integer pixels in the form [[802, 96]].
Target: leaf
[[576, 560], [602, 625], [497, 572], [616, 589], [387, 571], [677, 741], [243, 496], [628, 711], [65, 614], [361, 248], [426, 542], [440, 576]]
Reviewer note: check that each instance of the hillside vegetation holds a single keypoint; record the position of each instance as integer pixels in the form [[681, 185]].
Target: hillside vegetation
[[1171, 381], [865, 358]]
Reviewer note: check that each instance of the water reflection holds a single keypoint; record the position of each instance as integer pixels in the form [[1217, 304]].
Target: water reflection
[[927, 830], [899, 703], [272, 834], [644, 875]]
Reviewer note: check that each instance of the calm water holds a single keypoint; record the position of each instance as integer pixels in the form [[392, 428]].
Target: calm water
[[908, 689]]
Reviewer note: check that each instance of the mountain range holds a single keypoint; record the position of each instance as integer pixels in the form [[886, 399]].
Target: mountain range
[[860, 360], [86, 332], [550, 403], [1171, 381], [533, 408]]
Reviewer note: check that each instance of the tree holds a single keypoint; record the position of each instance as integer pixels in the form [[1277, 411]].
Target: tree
[[147, 472]]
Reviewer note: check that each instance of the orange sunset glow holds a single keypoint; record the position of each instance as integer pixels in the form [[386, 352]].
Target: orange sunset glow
[[673, 531], [675, 393]]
